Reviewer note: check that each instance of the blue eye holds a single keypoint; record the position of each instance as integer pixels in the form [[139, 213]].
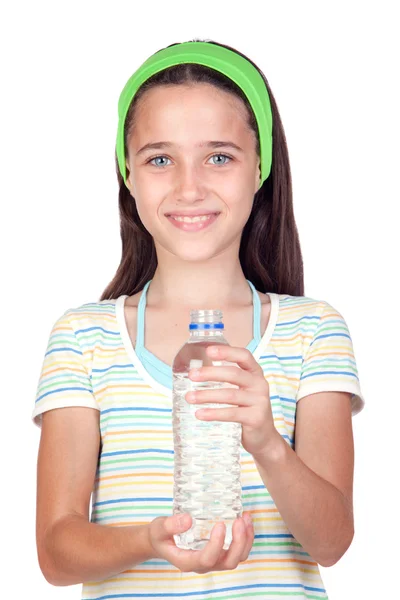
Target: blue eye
[[155, 158], [224, 155], [150, 161]]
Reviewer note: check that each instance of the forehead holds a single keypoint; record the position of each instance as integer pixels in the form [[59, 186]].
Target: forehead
[[178, 108]]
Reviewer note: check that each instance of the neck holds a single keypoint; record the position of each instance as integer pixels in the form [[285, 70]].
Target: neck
[[215, 283]]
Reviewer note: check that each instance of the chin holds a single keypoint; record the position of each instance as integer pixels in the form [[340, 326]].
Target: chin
[[199, 251], [195, 254]]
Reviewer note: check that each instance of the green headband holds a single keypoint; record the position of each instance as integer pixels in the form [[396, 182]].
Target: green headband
[[231, 64]]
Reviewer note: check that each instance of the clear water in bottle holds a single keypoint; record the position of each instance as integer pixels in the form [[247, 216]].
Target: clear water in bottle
[[207, 453]]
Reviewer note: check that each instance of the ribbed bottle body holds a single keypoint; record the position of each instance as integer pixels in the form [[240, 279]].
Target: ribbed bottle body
[[206, 453]]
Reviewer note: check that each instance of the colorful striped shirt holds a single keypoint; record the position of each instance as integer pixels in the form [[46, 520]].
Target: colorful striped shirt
[[90, 361]]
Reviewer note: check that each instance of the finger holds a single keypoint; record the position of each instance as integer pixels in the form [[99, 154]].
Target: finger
[[232, 415], [224, 395], [241, 356], [232, 375], [210, 554], [249, 539], [239, 541]]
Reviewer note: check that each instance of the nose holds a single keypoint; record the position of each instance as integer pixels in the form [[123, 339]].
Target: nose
[[190, 185]]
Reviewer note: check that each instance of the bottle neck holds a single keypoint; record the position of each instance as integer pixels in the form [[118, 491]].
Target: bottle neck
[[206, 324], [206, 333]]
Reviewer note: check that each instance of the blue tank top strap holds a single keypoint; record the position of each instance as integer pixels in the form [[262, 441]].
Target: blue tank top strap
[[256, 313], [140, 320]]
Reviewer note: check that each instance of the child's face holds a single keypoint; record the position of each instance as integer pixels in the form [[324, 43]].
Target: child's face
[[187, 177]]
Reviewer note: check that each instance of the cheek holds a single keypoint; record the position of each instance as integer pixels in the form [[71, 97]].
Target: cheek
[[241, 210], [148, 213]]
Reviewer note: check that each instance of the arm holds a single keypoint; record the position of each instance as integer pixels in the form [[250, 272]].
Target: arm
[[72, 550], [312, 486]]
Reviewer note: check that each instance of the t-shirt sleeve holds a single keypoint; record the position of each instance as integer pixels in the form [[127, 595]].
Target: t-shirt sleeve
[[64, 379], [329, 364]]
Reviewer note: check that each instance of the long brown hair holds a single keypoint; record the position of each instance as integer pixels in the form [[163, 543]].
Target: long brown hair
[[269, 253]]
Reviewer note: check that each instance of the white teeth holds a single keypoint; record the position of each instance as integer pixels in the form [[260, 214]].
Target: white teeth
[[191, 219]]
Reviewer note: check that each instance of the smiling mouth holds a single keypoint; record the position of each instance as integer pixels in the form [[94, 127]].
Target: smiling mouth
[[193, 224], [192, 219]]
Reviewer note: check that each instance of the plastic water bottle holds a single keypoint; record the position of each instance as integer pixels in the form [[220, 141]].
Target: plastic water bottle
[[207, 453]]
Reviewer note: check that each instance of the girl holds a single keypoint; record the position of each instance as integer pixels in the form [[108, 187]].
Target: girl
[[206, 222]]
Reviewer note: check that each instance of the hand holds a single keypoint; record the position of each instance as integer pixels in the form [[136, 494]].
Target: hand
[[251, 399], [212, 557]]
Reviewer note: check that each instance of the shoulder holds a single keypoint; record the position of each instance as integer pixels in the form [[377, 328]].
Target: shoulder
[[133, 301], [306, 317], [89, 317], [303, 307]]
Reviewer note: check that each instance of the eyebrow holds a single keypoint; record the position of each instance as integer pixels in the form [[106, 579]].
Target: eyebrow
[[211, 144]]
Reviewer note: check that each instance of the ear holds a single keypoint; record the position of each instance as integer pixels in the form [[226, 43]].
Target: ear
[[128, 181]]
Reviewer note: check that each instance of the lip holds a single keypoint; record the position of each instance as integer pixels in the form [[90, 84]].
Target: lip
[[193, 227], [191, 213]]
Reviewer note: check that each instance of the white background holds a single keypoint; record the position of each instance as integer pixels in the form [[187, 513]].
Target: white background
[[333, 68]]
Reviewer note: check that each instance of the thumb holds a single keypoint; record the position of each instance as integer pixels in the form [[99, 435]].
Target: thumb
[[177, 524]]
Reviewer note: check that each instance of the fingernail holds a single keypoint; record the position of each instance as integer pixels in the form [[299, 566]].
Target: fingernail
[[242, 525], [220, 528], [213, 351], [247, 519], [181, 520]]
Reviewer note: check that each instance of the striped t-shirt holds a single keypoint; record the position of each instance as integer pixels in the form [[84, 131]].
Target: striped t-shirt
[[90, 361]]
